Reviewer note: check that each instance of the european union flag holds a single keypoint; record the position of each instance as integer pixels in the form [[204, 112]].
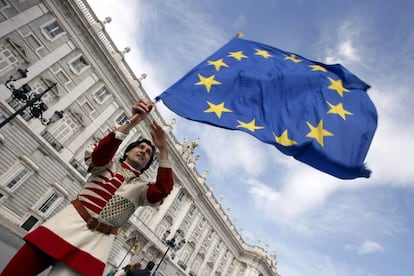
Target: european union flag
[[319, 114]]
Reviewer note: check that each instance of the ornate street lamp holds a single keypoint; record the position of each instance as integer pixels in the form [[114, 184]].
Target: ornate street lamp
[[175, 243], [20, 74], [133, 244], [33, 101]]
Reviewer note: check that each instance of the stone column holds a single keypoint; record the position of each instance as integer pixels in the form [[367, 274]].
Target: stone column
[[189, 232], [219, 258], [199, 243], [227, 265], [236, 268], [185, 206], [211, 248]]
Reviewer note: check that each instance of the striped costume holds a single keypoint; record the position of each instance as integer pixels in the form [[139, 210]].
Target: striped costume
[[112, 193]]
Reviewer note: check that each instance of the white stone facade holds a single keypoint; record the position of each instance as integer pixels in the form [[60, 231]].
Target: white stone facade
[[42, 168]]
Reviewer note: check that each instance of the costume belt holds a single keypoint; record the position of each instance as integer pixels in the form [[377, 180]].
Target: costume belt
[[93, 223]]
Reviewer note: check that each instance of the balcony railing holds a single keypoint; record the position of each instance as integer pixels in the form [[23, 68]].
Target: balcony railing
[[52, 140], [79, 167]]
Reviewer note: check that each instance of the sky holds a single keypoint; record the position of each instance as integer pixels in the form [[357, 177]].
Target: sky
[[317, 224]]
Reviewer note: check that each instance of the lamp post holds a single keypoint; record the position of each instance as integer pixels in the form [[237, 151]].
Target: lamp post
[[20, 74], [132, 248], [33, 101], [175, 243]]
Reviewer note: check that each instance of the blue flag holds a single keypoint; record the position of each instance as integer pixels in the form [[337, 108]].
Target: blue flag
[[319, 114]]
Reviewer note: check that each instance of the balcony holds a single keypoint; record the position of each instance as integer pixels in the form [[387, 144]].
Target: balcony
[[79, 167], [52, 140]]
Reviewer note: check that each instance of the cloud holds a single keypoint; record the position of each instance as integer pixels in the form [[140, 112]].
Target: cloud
[[122, 25], [125, 31], [370, 247], [342, 49], [344, 52], [303, 189], [315, 264], [190, 34], [313, 204], [366, 248], [240, 22], [392, 145]]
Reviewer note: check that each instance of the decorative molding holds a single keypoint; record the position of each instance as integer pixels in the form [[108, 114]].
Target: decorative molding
[[77, 115], [29, 162], [19, 49], [60, 189]]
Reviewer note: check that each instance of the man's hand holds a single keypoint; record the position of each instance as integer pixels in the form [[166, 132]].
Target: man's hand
[[158, 137], [140, 110]]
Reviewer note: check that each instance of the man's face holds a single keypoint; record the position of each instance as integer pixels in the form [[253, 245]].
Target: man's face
[[139, 156]]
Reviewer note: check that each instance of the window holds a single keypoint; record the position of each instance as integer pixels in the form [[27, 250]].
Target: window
[[196, 235], [162, 227], [7, 59], [79, 166], [101, 94], [49, 203], [65, 129], [121, 119], [202, 222], [16, 177], [180, 196], [173, 209], [192, 209], [78, 65], [147, 214], [186, 254], [52, 30], [196, 266], [29, 223]]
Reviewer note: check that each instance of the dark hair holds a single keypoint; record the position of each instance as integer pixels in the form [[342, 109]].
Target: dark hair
[[150, 265], [135, 144], [127, 267]]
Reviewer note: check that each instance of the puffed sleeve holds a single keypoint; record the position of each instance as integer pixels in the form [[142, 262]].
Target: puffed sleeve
[[100, 155], [163, 185]]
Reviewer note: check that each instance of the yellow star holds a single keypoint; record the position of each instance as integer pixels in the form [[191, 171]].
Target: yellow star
[[218, 64], [250, 125], [237, 55], [217, 108], [284, 140], [318, 132], [318, 68], [338, 109], [207, 82], [337, 86], [262, 53], [293, 58]]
